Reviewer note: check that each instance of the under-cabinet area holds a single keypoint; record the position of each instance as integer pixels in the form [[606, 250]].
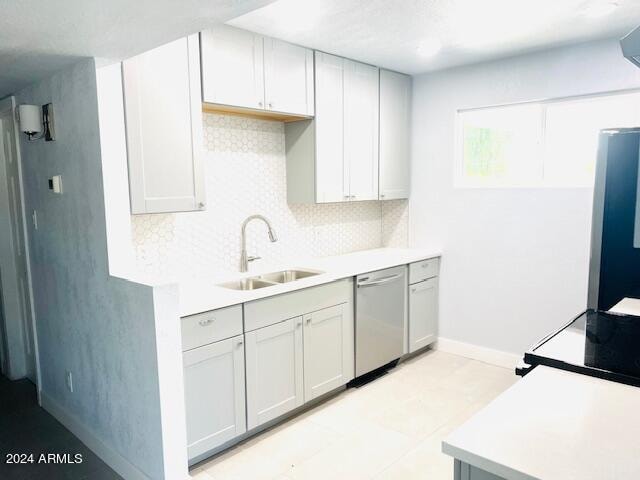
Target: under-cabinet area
[[250, 365], [347, 122]]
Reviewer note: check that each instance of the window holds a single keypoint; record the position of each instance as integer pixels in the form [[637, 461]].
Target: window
[[538, 144]]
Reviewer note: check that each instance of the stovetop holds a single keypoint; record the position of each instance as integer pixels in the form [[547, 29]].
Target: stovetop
[[600, 344]]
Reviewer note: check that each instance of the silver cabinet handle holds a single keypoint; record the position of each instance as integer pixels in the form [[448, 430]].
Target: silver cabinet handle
[[308, 320], [260, 104], [239, 344], [270, 105], [201, 205], [205, 322], [381, 281], [299, 324]]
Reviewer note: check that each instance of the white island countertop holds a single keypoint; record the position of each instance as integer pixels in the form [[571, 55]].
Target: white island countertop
[[555, 425], [203, 294]]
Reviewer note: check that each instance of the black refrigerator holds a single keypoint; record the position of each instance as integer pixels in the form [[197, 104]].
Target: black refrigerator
[[598, 342], [614, 271]]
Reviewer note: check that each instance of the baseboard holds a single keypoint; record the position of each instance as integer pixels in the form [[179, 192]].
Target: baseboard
[[483, 354], [117, 462]]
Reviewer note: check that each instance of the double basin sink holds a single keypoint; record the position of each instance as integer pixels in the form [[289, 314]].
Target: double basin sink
[[269, 279]]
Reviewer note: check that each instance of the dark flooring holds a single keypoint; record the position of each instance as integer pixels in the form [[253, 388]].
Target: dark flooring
[[29, 431]]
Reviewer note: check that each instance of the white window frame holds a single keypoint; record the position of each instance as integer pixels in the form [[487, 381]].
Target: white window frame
[[462, 182]]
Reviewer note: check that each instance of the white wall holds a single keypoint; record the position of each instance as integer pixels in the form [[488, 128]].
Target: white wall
[[109, 332], [515, 261]]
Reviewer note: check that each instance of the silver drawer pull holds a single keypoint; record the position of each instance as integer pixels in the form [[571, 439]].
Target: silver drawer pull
[[205, 322], [425, 265], [239, 344], [379, 281]]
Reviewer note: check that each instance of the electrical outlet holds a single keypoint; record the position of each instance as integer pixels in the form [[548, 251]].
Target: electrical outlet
[[69, 381]]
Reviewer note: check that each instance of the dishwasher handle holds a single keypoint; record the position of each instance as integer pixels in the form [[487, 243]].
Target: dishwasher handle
[[381, 281]]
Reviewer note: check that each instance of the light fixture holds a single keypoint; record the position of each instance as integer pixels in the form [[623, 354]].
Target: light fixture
[[429, 48], [34, 120], [600, 9]]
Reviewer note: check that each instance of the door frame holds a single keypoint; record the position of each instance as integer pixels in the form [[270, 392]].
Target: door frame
[[7, 108]]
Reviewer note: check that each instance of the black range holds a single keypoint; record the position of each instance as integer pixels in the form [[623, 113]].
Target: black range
[[601, 344]]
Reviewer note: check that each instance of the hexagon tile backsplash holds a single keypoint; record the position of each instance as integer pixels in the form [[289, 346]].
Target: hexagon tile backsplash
[[246, 174]]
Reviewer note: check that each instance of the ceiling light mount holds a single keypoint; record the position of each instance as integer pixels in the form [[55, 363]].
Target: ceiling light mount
[[429, 47], [600, 8]]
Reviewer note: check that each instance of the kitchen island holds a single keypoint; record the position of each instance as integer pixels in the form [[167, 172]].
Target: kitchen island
[[552, 425]]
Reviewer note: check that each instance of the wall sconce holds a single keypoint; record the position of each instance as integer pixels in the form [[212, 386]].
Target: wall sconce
[[34, 120]]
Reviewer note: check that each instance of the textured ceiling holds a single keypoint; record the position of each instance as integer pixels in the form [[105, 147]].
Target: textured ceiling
[[39, 37], [389, 32]]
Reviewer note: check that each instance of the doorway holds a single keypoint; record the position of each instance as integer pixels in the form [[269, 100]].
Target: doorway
[[17, 329]]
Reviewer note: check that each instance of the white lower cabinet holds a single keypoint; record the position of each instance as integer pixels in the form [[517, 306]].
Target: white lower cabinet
[[423, 313], [328, 350], [274, 371], [214, 386], [297, 360]]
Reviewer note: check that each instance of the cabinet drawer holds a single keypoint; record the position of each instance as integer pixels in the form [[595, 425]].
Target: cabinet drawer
[[423, 269], [267, 311], [209, 327]]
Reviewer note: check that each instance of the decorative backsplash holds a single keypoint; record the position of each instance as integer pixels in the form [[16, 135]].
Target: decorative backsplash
[[246, 174]]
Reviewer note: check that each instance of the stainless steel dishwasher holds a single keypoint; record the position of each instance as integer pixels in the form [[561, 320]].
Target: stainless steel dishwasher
[[381, 318]]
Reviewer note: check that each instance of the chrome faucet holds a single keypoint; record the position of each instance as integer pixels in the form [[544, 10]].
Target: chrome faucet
[[244, 259]]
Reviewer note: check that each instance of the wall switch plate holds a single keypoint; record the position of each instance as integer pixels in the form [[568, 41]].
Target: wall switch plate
[[34, 217], [69, 381], [55, 184]]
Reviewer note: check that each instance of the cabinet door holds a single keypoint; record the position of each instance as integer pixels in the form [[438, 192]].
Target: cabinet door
[[288, 77], [395, 108], [164, 128], [274, 371], [331, 182], [423, 313], [232, 67], [361, 130], [214, 394], [328, 350]]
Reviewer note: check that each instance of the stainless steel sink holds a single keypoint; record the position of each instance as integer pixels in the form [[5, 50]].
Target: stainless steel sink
[[269, 279], [252, 283], [286, 276]]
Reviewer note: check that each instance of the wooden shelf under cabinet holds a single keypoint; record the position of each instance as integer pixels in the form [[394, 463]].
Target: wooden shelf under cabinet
[[252, 113]]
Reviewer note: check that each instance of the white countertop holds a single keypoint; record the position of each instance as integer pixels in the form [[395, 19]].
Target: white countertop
[[627, 306], [202, 294], [555, 425]]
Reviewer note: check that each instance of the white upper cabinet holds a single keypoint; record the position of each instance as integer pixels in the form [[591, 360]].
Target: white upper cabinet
[[334, 158], [288, 77], [361, 130], [395, 112], [331, 184], [232, 67], [164, 128], [243, 69]]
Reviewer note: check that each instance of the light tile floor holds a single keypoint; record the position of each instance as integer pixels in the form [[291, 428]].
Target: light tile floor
[[391, 428]]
